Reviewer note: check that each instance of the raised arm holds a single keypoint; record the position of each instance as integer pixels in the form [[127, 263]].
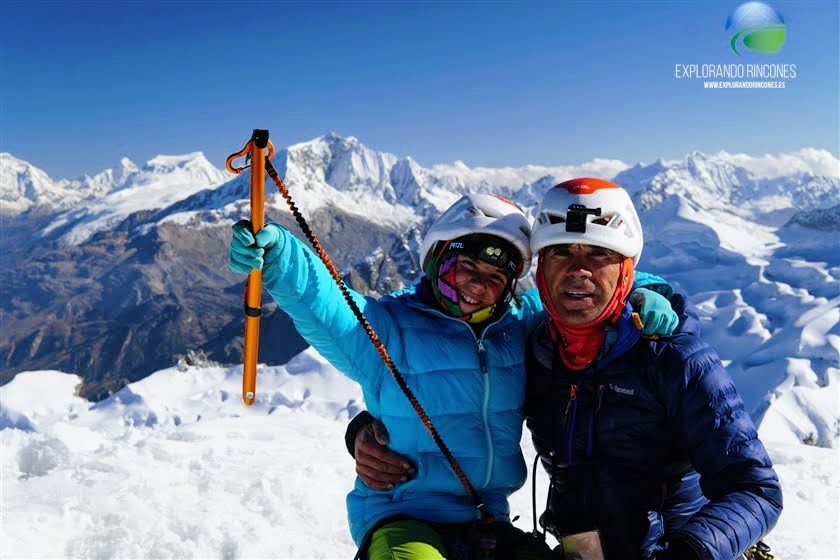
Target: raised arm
[[301, 285]]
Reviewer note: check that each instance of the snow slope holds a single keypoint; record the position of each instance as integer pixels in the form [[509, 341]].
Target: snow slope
[[176, 466]]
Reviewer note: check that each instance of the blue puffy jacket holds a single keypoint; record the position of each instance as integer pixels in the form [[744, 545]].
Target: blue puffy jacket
[[651, 444], [472, 387]]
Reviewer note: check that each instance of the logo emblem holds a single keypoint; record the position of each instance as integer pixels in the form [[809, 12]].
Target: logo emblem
[[756, 26], [622, 390]]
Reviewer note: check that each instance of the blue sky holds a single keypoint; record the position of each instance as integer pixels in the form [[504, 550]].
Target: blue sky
[[492, 84]]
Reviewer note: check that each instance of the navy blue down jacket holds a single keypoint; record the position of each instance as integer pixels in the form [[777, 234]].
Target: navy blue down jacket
[[650, 445]]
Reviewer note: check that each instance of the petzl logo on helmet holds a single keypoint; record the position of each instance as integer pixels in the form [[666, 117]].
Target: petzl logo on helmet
[[756, 26]]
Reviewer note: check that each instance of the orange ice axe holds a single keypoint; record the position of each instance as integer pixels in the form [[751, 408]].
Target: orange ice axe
[[254, 151]]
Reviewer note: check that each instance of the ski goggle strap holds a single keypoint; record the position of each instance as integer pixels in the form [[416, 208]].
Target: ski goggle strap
[[443, 285], [490, 249]]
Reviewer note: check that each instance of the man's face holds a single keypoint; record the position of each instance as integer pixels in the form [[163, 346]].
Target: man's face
[[580, 279], [479, 284]]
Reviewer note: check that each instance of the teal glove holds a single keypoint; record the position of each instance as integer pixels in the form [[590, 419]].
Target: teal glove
[[246, 251], [655, 312]]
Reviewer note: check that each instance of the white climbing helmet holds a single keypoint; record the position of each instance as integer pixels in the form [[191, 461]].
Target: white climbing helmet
[[589, 211], [482, 214]]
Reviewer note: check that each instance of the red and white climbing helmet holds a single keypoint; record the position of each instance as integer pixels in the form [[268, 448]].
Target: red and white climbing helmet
[[588, 211]]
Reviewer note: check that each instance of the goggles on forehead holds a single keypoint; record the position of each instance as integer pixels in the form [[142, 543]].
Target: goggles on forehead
[[491, 250]]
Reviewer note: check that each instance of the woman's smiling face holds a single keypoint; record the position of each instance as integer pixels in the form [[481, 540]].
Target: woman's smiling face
[[479, 284]]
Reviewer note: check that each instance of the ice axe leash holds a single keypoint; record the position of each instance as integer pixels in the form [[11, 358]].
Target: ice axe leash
[[254, 151], [486, 516], [380, 348]]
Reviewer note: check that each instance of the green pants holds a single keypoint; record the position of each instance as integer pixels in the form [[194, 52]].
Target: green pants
[[411, 539]]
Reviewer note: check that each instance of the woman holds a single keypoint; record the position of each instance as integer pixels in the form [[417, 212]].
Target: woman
[[458, 337]]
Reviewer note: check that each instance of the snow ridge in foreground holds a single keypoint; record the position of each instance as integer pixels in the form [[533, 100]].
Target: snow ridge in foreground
[[175, 466]]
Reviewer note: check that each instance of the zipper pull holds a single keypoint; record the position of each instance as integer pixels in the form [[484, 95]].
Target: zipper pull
[[482, 356], [600, 398], [572, 397]]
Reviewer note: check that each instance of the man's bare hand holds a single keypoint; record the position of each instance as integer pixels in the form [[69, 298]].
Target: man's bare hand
[[377, 466]]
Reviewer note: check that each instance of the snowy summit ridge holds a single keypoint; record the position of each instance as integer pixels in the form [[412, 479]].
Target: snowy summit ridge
[[24, 187], [343, 172], [162, 181]]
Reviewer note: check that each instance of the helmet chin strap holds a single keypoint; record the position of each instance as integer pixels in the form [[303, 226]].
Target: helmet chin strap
[[579, 345]]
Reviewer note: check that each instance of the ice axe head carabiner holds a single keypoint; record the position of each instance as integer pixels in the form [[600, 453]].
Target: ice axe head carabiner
[[259, 139]]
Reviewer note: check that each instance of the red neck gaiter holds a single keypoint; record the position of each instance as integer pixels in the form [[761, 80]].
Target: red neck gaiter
[[579, 344]]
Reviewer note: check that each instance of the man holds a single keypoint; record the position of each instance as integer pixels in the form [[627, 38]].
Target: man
[[647, 444], [647, 441]]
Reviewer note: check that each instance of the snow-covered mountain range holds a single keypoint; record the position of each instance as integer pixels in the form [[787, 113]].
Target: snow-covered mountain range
[[112, 277], [332, 171], [133, 272], [24, 187]]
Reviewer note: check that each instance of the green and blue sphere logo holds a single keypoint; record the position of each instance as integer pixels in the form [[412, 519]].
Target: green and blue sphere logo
[[756, 26]]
